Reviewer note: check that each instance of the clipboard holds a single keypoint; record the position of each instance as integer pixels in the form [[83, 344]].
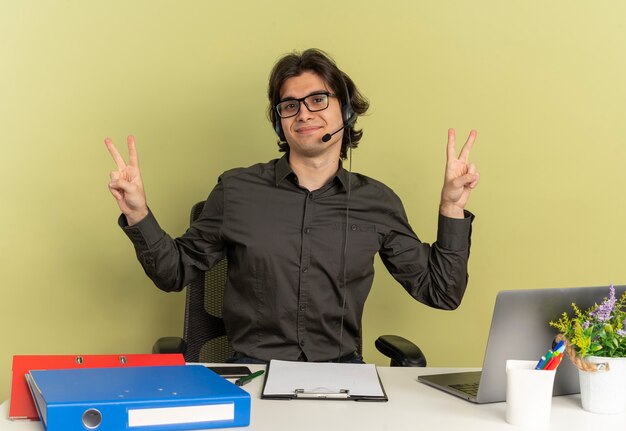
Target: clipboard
[[322, 381]]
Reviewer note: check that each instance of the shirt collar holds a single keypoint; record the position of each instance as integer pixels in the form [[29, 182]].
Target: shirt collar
[[283, 170], [342, 175]]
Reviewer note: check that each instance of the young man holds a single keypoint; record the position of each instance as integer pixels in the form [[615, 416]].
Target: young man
[[301, 232]]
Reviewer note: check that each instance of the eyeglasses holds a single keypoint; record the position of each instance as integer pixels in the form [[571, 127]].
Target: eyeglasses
[[313, 102]]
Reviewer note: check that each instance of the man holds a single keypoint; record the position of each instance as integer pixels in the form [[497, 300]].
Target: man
[[301, 232]]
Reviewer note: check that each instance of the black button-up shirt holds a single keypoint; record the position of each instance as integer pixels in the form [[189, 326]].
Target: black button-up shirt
[[286, 246]]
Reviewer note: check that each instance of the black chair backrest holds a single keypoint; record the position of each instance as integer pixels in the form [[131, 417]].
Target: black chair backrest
[[204, 331]]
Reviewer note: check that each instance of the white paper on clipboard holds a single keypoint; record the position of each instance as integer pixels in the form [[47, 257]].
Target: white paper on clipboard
[[327, 380]]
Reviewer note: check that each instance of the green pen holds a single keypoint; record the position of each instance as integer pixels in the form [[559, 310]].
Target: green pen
[[245, 380]]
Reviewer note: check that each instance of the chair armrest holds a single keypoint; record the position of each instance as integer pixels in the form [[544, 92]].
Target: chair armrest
[[402, 352], [169, 345]]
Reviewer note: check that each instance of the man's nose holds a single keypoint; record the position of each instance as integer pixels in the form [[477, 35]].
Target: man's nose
[[304, 113]]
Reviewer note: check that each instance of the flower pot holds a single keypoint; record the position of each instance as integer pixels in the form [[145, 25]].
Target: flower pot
[[603, 391]]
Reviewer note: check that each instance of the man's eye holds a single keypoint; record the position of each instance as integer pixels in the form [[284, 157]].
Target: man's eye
[[289, 106]]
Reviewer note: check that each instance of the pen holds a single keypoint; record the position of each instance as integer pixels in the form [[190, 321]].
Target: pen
[[559, 346], [544, 360], [555, 363], [553, 357], [541, 363], [548, 365], [245, 380]]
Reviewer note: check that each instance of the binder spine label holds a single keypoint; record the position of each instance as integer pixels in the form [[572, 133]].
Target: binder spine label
[[181, 415]]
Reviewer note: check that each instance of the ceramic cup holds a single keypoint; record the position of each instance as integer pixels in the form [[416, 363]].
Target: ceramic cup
[[528, 394]]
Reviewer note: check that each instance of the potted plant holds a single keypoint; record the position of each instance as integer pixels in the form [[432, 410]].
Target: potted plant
[[596, 344]]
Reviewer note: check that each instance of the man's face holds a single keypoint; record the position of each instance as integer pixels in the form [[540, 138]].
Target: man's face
[[304, 131]]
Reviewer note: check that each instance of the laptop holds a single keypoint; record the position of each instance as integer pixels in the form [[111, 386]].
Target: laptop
[[520, 330]]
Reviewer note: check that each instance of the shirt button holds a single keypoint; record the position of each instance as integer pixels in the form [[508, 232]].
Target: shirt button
[[353, 227], [305, 269], [302, 307], [307, 230], [310, 195]]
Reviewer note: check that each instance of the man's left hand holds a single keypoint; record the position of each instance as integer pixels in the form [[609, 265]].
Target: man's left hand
[[460, 177]]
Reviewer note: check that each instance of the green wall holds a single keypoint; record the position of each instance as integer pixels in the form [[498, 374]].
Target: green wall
[[542, 82]]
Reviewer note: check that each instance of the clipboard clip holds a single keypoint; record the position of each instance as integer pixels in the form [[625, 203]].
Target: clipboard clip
[[342, 394]]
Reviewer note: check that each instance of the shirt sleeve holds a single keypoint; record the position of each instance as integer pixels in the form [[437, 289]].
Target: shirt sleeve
[[174, 263], [435, 275]]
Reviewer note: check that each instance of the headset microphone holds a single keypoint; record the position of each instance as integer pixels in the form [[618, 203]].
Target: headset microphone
[[327, 136], [348, 123]]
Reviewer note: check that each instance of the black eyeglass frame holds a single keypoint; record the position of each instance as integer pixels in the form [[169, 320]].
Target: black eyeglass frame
[[302, 100]]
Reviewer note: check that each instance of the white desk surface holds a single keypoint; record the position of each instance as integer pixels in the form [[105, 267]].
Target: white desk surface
[[411, 405]]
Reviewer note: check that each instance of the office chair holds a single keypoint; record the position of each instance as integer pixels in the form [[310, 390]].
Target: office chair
[[204, 335]]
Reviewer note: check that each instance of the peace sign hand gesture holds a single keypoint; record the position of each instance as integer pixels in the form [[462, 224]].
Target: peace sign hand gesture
[[460, 177], [126, 185]]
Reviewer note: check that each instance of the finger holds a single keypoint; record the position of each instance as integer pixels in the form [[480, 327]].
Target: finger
[[463, 180], [471, 170], [468, 146], [451, 153], [133, 160], [474, 183], [122, 185], [116, 194], [117, 157], [114, 175]]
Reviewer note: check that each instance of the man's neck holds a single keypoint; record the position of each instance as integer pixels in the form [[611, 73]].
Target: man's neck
[[313, 173]]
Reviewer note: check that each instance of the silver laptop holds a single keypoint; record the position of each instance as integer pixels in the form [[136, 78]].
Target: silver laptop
[[520, 330]]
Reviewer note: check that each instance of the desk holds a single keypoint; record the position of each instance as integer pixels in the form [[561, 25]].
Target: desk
[[411, 405]]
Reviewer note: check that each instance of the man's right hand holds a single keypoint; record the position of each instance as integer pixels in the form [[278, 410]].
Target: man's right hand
[[126, 185]]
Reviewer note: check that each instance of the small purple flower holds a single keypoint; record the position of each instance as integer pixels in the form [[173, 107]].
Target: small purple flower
[[603, 311], [585, 325], [621, 333]]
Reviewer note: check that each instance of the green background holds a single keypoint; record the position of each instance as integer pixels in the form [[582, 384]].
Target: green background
[[542, 82]]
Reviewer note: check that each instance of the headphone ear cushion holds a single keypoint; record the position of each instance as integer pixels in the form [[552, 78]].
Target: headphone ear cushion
[[348, 113], [346, 109]]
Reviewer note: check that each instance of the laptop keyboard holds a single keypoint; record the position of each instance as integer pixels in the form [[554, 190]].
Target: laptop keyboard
[[467, 388]]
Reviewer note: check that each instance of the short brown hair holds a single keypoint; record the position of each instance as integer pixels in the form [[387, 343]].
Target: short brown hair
[[320, 63]]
